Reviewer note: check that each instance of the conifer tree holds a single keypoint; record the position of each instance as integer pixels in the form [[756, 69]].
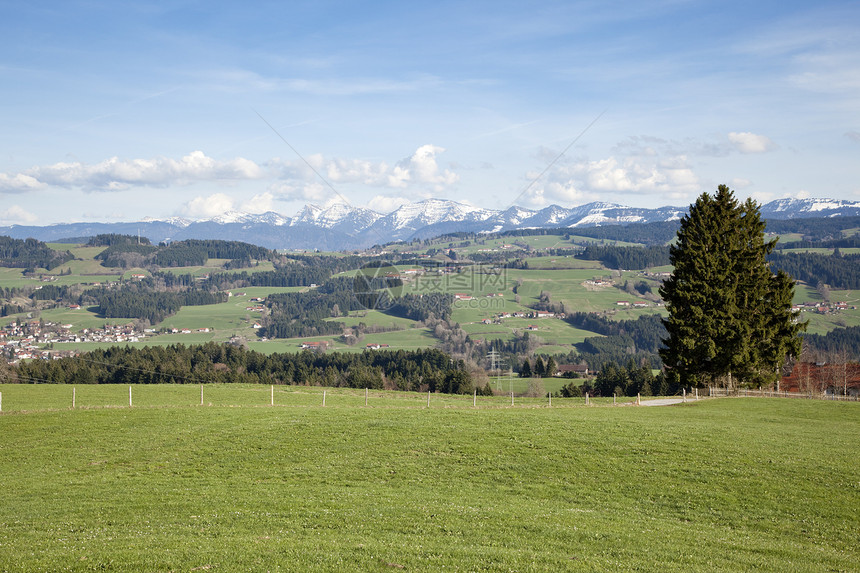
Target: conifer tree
[[551, 367], [730, 319], [540, 369], [526, 370]]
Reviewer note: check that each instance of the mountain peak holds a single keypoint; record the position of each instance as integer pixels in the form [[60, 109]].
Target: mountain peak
[[341, 226]]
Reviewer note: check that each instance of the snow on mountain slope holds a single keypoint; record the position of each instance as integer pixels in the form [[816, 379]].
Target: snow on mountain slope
[[431, 211], [180, 222], [340, 226], [813, 207], [339, 215]]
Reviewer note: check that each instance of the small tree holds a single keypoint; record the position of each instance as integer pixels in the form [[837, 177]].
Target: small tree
[[536, 388]]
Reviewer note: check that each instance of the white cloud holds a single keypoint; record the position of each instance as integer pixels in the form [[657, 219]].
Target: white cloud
[[533, 198], [18, 183], [115, 174], [800, 194], [634, 175], [16, 215], [762, 197], [207, 207], [299, 180], [641, 165], [355, 171], [314, 192], [261, 203], [386, 203], [747, 142], [564, 192], [422, 168], [853, 136]]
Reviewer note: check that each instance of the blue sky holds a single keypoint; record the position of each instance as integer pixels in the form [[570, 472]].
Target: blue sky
[[115, 111]]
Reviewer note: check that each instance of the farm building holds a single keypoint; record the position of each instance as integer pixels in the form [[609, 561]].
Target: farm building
[[572, 369]]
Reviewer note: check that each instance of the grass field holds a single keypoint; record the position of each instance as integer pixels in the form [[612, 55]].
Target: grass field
[[718, 485], [562, 263], [523, 244]]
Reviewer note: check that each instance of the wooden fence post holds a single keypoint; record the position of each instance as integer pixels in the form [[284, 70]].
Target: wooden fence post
[[428, 398], [129, 396], [512, 397], [475, 398], [638, 400], [324, 398], [586, 398]]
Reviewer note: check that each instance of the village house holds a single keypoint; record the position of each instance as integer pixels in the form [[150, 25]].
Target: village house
[[572, 369]]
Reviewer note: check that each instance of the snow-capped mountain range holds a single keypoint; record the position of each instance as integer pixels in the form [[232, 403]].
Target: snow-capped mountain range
[[343, 227]]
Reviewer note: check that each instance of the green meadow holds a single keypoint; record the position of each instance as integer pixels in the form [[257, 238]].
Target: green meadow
[[566, 262], [169, 485]]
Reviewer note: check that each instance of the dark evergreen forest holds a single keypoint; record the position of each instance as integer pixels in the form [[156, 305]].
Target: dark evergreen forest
[[837, 271], [30, 254], [626, 258], [419, 370]]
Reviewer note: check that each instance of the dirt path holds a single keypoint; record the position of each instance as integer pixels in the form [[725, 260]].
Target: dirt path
[[664, 401]]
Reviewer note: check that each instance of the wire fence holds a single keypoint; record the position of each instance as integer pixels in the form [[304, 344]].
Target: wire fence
[[714, 391], [48, 397]]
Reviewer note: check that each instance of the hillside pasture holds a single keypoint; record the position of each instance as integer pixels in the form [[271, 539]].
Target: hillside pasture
[[551, 331], [568, 287], [410, 339], [567, 262], [822, 323], [375, 318], [14, 278], [80, 318], [717, 485]]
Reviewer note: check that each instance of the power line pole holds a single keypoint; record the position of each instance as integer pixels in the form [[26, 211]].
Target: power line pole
[[493, 355]]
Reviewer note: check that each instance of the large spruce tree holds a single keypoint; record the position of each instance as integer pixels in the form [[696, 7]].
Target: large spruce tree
[[730, 318]]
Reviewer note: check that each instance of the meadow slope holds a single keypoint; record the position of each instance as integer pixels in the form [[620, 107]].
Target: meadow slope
[[717, 485]]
